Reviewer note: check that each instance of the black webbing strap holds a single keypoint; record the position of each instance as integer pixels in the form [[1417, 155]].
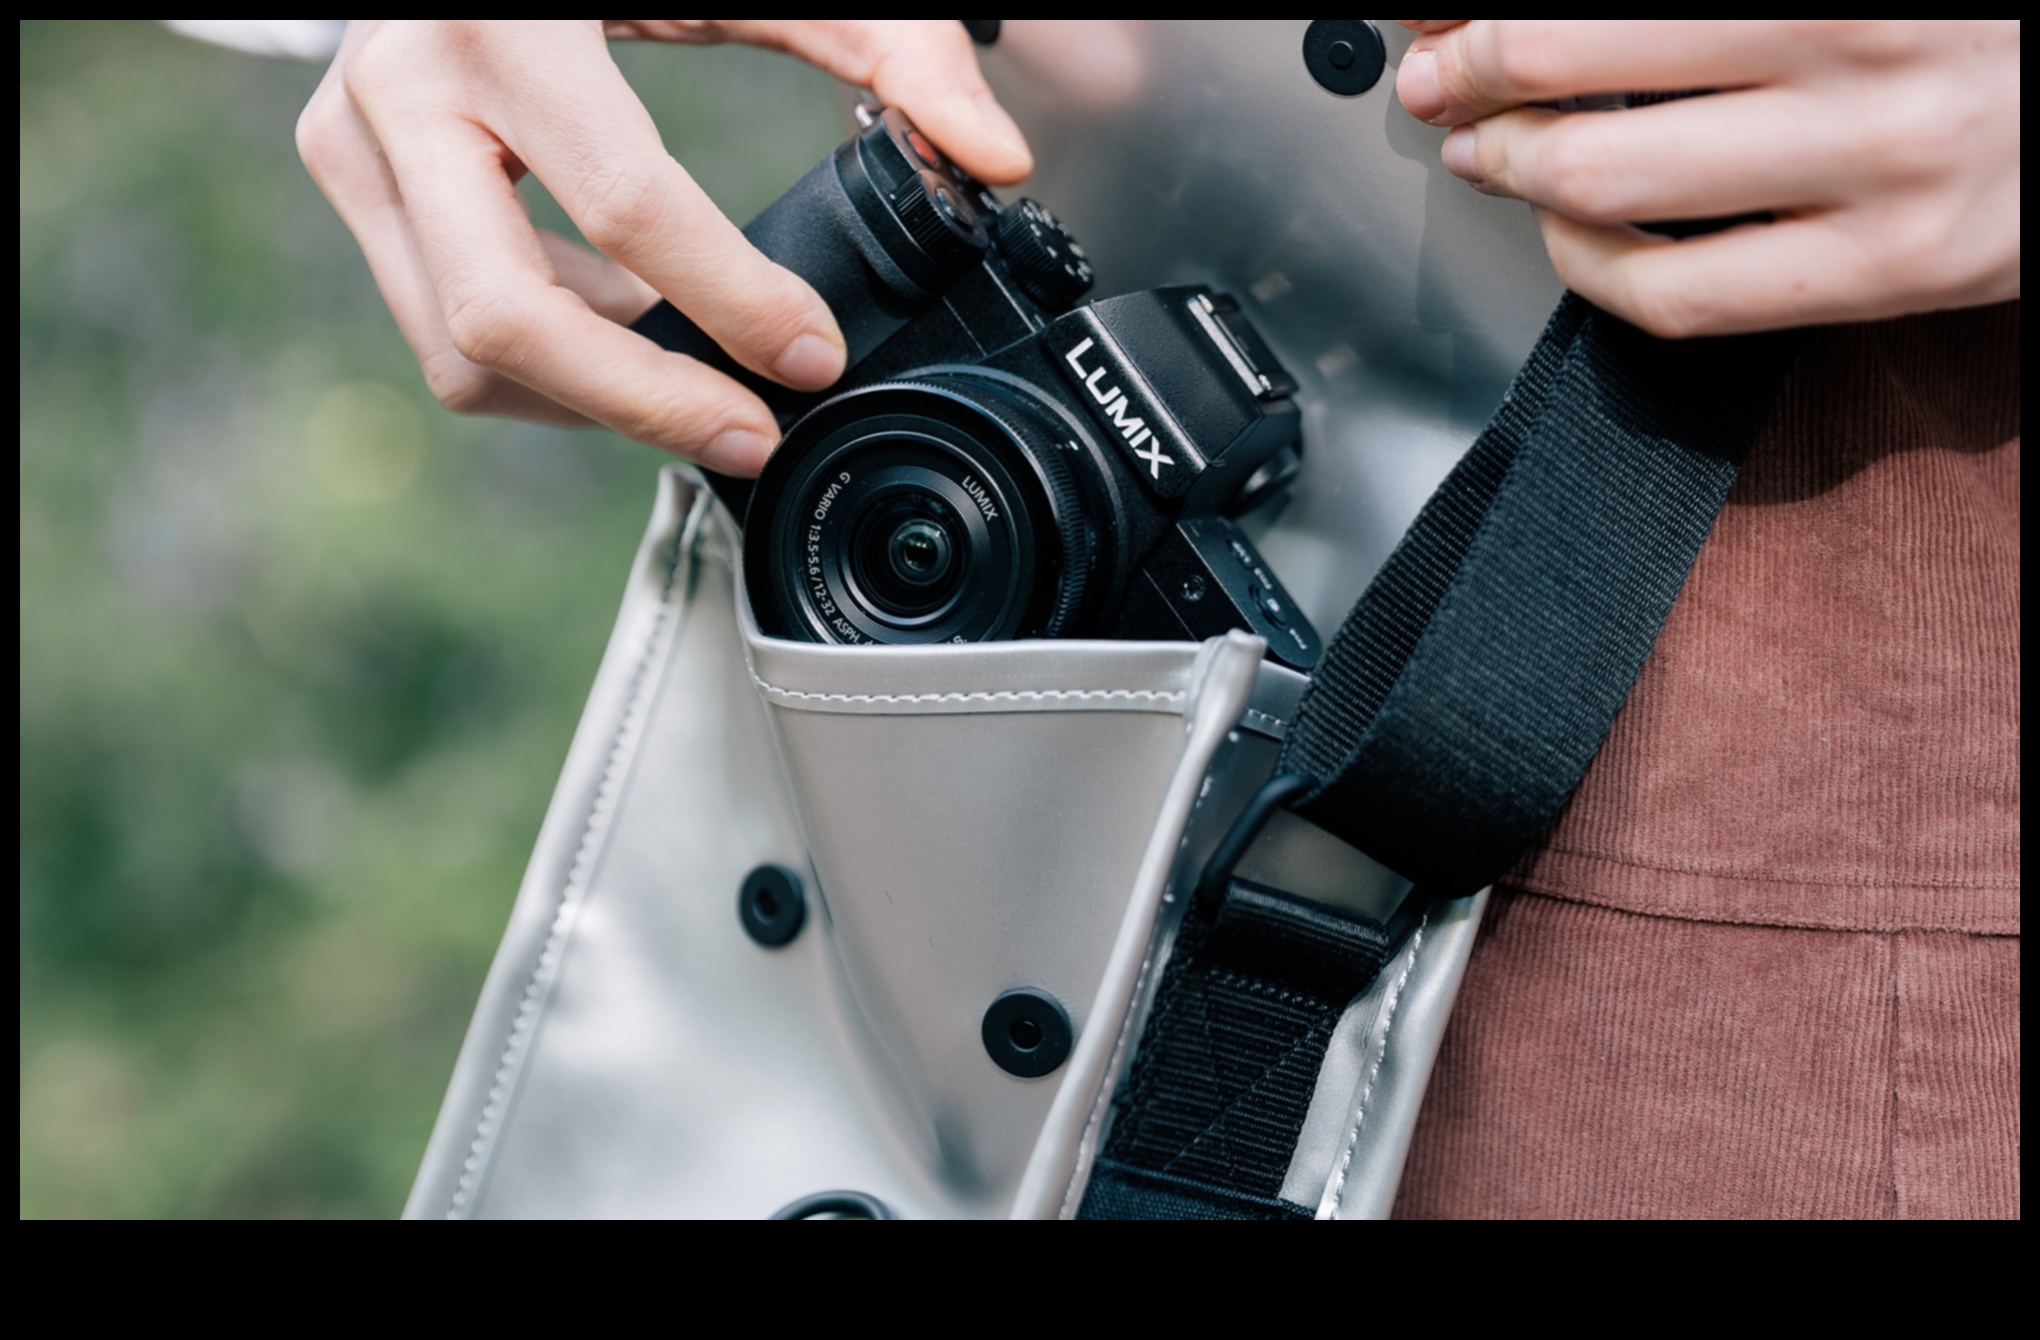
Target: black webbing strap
[[1462, 699], [1451, 717], [1209, 1116]]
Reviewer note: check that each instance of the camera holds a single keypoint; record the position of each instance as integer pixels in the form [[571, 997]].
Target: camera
[[1002, 459]]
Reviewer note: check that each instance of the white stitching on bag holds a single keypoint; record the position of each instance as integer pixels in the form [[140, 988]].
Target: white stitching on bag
[[1367, 1090], [1173, 699], [1094, 1120], [593, 831], [1264, 718]]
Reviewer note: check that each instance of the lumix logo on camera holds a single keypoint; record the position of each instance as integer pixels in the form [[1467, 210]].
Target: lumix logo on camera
[[1112, 402], [1107, 386]]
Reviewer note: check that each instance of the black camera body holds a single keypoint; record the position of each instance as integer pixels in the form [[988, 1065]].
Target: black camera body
[[1001, 460]]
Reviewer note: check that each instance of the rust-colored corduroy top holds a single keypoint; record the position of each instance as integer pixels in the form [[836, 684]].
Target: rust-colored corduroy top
[[1767, 962]]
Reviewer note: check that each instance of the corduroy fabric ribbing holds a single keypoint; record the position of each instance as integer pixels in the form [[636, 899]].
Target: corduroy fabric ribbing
[[1606, 1064], [1955, 1147], [1827, 733], [1766, 961]]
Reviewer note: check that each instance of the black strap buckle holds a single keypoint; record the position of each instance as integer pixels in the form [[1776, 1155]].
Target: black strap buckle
[[1217, 878], [1276, 792]]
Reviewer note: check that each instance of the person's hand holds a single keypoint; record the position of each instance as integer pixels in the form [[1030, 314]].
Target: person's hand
[[1888, 152], [420, 131]]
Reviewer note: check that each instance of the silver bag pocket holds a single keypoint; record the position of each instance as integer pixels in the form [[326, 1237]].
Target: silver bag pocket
[[990, 845]]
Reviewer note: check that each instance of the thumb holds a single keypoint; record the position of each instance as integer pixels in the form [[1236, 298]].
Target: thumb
[[925, 67]]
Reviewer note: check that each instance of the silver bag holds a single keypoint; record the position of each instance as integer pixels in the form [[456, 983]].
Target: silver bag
[[972, 819], [976, 818]]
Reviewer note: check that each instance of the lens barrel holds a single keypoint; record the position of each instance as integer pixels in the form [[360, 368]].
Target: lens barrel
[[931, 511]]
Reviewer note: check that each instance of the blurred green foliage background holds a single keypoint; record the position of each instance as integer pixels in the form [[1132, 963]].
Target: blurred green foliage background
[[300, 652]]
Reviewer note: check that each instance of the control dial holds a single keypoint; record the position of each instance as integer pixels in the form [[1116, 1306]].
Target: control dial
[[941, 222], [1045, 260]]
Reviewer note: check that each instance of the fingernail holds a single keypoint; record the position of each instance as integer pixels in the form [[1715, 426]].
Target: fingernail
[[1416, 83], [1001, 126], [809, 363], [737, 451], [1458, 154]]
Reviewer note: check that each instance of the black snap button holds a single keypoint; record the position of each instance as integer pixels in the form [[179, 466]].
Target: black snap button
[[772, 905], [1026, 1032], [1345, 56]]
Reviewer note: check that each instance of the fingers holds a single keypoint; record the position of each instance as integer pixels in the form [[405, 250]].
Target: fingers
[[505, 313], [1886, 150], [614, 292], [926, 67], [343, 159], [1703, 286], [505, 321], [1478, 68], [421, 129], [580, 129], [1820, 268], [1703, 157]]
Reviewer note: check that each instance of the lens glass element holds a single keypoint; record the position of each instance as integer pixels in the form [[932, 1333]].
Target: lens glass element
[[909, 552]]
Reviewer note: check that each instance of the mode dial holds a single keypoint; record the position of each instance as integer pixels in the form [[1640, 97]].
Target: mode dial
[[1045, 260]]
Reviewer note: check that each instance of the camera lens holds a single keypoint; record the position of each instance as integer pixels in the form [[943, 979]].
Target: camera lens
[[918, 513]]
